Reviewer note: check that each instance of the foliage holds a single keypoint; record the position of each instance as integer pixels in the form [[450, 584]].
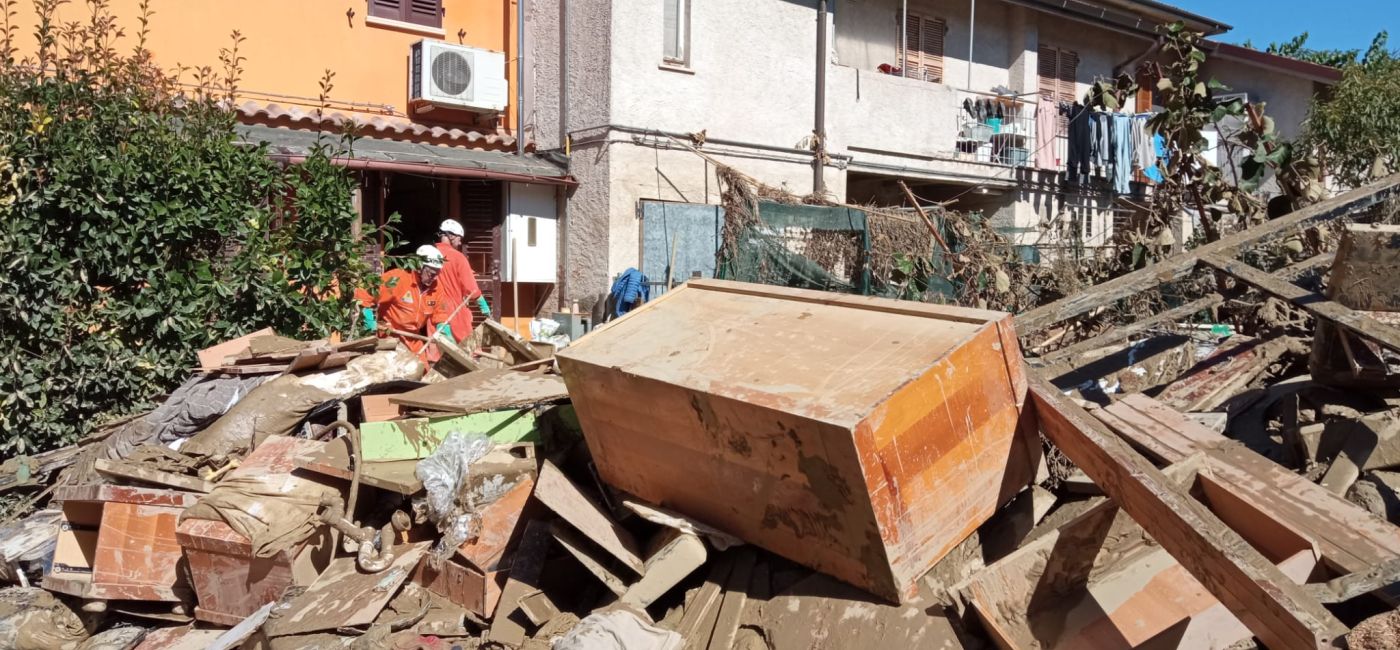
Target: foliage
[[137, 229], [1378, 53], [1357, 127]]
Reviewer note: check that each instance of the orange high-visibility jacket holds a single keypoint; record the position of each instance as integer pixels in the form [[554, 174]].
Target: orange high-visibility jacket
[[457, 283], [403, 305]]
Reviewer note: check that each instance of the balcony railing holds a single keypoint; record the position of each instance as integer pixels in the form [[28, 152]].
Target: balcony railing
[[995, 129]]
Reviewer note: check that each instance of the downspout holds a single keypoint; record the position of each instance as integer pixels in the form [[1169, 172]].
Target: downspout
[[971, 36], [819, 130], [520, 80], [904, 37], [563, 73]]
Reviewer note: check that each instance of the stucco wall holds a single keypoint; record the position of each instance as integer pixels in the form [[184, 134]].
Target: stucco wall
[[290, 44]]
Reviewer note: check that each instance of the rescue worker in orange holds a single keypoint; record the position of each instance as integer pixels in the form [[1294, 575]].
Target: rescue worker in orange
[[458, 280], [408, 301]]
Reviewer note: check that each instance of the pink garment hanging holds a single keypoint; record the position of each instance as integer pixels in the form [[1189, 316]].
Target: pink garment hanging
[[1046, 125]]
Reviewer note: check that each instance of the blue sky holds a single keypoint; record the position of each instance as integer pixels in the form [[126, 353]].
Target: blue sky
[[1339, 24]]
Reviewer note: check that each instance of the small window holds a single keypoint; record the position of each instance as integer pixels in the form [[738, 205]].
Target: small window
[[922, 54], [427, 13], [676, 23], [530, 233]]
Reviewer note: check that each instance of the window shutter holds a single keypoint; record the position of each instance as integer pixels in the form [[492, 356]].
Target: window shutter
[[911, 59], [1048, 72], [391, 9], [922, 56], [423, 12], [1069, 71]]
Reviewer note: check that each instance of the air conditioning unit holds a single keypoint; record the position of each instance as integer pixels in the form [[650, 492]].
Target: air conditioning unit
[[454, 76]]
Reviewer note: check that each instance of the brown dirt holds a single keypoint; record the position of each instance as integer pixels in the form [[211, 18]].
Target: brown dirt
[[1380, 632]]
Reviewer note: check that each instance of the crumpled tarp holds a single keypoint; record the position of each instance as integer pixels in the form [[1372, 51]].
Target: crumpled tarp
[[33, 619], [276, 407], [617, 630], [191, 407]]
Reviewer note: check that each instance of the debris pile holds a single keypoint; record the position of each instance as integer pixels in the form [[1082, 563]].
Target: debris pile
[[756, 467]]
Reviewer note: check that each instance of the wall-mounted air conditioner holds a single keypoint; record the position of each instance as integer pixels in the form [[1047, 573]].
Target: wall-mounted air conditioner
[[455, 76]]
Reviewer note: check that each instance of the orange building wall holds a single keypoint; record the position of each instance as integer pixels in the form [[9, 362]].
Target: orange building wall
[[290, 43]]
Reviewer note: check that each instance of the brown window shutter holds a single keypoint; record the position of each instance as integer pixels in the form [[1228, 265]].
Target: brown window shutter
[[912, 58], [423, 12], [1069, 71], [391, 9], [1048, 72], [932, 47]]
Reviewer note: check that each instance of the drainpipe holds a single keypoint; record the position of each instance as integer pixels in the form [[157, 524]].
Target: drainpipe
[[904, 37], [520, 77], [819, 153], [971, 34], [563, 72]]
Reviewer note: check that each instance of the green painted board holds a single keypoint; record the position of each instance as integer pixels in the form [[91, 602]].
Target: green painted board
[[418, 438]]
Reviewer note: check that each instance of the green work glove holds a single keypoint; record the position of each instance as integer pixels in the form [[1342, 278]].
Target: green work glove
[[485, 308], [445, 329], [370, 323]]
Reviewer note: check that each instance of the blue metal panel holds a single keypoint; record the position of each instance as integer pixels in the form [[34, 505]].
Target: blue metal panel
[[695, 229]]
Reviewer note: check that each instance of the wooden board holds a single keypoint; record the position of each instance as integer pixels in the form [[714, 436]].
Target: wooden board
[[379, 408], [1180, 266], [212, 357], [136, 547], [1117, 334], [527, 563], [487, 390], [736, 594], [1253, 589], [819, 612], [136, 472], [559, 494], [594, 561], [1348, 537], [510, 339], [810, 424], [345, 596], [499, 522]]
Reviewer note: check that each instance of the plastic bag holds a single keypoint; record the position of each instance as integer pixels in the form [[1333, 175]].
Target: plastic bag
[[445, 475]]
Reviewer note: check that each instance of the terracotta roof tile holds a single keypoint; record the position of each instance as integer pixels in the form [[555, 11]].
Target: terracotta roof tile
[[377, 126]]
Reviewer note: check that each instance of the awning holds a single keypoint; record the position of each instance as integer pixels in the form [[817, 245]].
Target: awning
[[398, 156]]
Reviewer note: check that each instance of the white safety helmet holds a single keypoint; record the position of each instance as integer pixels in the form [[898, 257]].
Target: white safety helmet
[[432, 257], [451, 227]]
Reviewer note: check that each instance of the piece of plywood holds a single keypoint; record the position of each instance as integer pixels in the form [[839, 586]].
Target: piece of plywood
[[1273, 608], [211, 358], [417, 438], [379, 408], [500, 520], [136, 472], [559, 494], [345, 596], [527, 563], [487, 390], [811, 424], [736, 595]]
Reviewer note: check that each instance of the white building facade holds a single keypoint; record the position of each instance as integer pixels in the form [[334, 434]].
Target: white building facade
[[627, 87]]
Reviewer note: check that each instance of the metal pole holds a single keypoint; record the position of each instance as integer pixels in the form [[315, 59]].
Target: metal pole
[[904, 37], [971, 35], [819, 153], [520, 77]]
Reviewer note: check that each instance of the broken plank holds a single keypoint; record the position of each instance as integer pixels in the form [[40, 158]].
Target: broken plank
[[559, 494], [698, 622], [1266, 601], [135, 472], [1180, 266], [344, 596], [487, 390], [234, 637], [1314, 303], [1125, 332], [211, 358], [512, 340], [527, 563], [736, 595]]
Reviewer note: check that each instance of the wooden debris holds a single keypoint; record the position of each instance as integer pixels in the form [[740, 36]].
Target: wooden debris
[[736, 593], [1253, 589], [527, 562], [488, 390], [212, 357], [581, 551], [558, 493], [135, 472], [538, 608], [235, 636], [499, 526], [819, 612], [702, 611], [380, 408], [345, 596], [672, 556]]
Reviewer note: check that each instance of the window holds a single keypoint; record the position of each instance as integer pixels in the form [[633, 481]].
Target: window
[[1057, 70], [676, 24], [922, 56], [427, 13]]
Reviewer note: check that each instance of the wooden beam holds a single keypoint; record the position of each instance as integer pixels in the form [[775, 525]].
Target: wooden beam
[[135, 472], [1124, 333], [1313, 303], [1275, 609], [924, 215], [1180, 266]]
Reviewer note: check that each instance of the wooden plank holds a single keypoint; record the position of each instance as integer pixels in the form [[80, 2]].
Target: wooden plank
[[487, 390], [1180, 266], [736, 595], [1265, 600], [1125, 332], [1313, 303], [511, 340], [499, 521], [577, 547], [380, 408], [701, 612], [235, 636], [212, 357], [345, 597], [559, 494], [134, 471], [527, 563]]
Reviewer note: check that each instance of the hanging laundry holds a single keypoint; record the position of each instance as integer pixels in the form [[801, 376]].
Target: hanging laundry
[[1101, 153], [1144, 156], [1080, 135], [1122, 152], [1047, 125], [1159, 150]]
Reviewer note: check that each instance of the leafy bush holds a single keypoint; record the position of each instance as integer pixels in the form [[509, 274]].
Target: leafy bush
[[1357, 125], [135, 229]]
